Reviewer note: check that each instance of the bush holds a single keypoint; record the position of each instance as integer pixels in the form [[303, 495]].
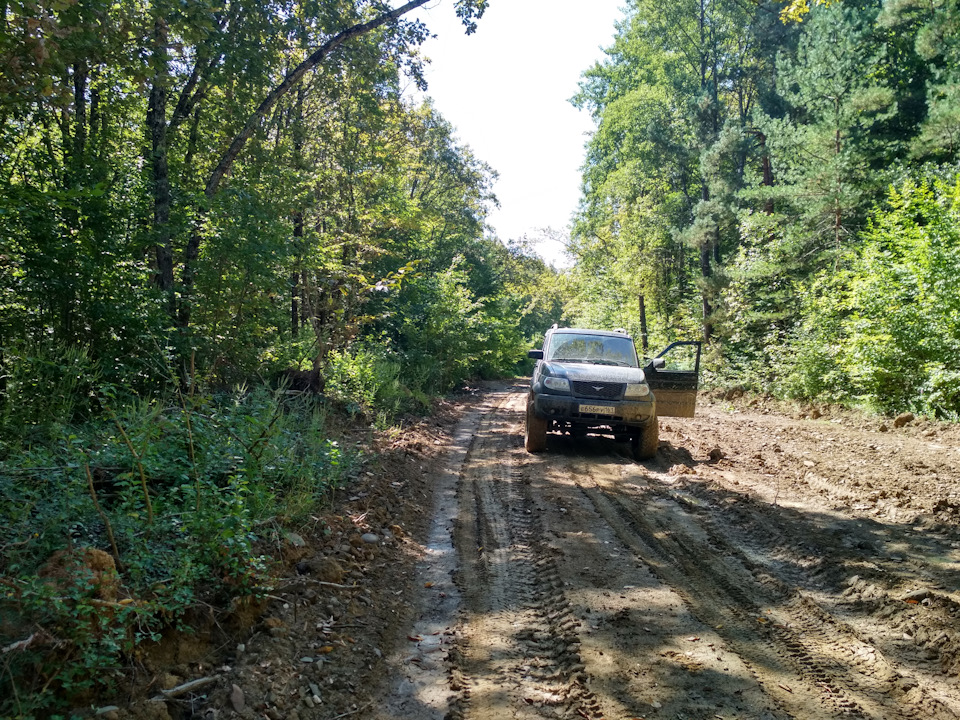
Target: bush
[[176, 494], [44, 385], [370, 381], [903, 332]]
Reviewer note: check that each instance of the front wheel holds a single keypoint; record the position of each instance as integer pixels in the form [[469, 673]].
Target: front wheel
[[646, 442], [535, 434]]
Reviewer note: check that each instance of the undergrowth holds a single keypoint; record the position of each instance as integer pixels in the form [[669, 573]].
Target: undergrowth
[[111, 529]]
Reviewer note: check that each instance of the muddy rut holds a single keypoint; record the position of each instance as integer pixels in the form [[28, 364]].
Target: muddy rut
[[760, 567]]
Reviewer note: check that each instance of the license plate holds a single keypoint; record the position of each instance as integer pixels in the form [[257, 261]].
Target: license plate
[[597, 409]]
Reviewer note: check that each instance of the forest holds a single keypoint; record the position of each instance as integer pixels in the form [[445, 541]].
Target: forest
[[786, 190], [229, 229]]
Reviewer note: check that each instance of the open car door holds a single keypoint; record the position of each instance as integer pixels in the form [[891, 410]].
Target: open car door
[[673, 375]]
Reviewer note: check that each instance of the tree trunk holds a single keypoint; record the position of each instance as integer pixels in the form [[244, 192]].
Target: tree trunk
[[295, 278], [706, 271], [160, 174], [80, 120], [643, 325], [707, 245], [767, 171]]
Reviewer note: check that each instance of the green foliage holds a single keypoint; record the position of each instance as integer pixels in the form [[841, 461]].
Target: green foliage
[[883, 333], [734, 179], [212, 469], [828, 145], [140, 262], [46, 386], [73, 645], [903, 343], [446, 334], [368, 380]]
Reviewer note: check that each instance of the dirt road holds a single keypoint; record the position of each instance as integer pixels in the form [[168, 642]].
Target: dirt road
[[763, 566]]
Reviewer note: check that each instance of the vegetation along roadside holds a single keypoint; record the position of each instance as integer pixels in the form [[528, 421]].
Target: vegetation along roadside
[[231, 242]]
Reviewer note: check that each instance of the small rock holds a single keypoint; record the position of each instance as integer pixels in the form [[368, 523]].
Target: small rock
[[370, 538], [903, 419], [168, 680], [883, 428], [308, 701], [241, 648], [237, 701], [306, 659], [907, 683], [110, 712], [273, 714], [917, 595], [150, 710], [716, 454], [815, 414], [294, 539], [325, 569]]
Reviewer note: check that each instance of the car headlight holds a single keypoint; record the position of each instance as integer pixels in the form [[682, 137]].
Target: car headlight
[[637, 390], [556, 383]]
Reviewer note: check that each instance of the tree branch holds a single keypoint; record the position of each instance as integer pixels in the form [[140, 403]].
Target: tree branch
[[292, 78]]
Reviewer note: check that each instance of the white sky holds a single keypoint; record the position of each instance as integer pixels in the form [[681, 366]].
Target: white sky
[[506, 90]]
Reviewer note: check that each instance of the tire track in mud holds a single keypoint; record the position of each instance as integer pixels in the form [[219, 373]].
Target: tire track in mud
[[881, 676], [915, 690], [518, 654], [810, 663], [717, 602], [592, 587]]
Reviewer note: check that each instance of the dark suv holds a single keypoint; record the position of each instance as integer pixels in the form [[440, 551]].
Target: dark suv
[[591, 381]]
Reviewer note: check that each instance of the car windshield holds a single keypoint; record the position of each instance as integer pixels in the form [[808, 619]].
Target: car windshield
[[596, 349]]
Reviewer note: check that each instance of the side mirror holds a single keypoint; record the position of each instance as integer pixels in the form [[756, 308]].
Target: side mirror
[[535, 354], [659, 363]]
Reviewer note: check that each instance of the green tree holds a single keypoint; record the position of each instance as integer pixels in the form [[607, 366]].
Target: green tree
[[673, 105]]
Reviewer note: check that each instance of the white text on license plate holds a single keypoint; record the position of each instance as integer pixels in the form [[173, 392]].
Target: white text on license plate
[[597, 409]]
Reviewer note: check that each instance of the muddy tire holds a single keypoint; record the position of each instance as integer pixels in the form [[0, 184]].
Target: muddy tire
[[535, 432], [646, 442]]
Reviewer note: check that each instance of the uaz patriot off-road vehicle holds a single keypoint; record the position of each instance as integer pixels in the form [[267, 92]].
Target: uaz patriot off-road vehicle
[[590, 381]]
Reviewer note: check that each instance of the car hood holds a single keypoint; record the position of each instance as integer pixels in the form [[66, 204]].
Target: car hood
[[585, 372]]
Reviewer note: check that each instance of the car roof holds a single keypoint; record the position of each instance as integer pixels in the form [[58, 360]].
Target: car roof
[[589, 331]]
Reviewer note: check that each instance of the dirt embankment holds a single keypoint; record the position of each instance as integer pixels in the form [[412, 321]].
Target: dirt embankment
[[762, 566]]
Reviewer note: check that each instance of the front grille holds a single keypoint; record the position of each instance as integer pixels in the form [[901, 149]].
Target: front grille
[[598, 390]]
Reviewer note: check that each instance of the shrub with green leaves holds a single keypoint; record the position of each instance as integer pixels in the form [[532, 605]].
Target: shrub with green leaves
[[903, 333], [882, 331], [178, 493]]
